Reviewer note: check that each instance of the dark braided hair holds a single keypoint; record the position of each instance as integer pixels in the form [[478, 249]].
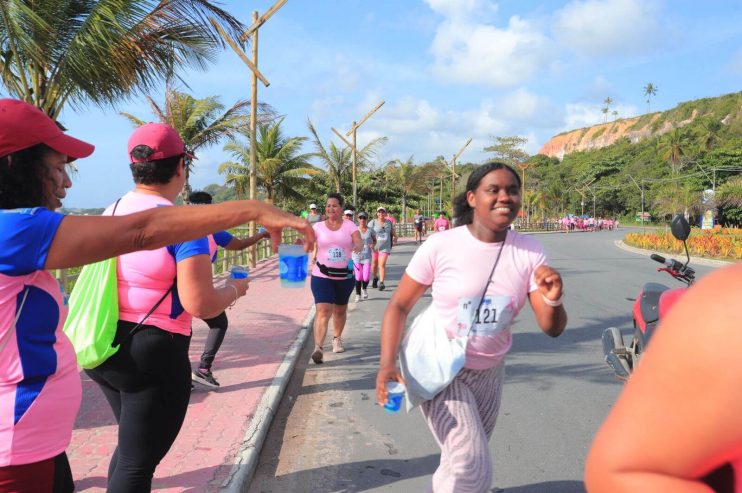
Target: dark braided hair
[[462, 211], [155, 172]]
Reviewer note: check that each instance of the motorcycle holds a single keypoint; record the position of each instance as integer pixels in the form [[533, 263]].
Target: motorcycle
[[653, 302]]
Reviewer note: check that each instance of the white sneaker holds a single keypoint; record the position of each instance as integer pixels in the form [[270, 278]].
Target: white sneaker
[[358, 298], [364, 293]]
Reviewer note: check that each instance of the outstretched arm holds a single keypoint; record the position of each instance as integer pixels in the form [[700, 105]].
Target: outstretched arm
[[242, 243], [81, 240]]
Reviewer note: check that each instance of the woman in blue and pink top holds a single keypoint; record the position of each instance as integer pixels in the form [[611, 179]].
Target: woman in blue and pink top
[[332, 280], [457, 265], [40, 387]]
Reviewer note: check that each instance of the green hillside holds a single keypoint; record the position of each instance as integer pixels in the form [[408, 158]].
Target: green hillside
[[693, 147]]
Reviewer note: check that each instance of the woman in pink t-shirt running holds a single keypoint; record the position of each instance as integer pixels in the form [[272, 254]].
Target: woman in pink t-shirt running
[[458, 265], [332, 275]]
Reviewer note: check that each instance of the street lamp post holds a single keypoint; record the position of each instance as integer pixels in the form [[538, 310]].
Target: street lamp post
[[641, 189]]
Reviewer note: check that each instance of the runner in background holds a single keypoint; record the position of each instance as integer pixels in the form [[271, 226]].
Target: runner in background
[[313, 217], [419, 222], [362, 260], [385, 238], [441, 224], [217, 325]]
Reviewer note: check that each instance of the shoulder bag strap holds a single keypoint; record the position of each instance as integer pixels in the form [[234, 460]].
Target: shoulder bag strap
[[487, 285], [17, 316]]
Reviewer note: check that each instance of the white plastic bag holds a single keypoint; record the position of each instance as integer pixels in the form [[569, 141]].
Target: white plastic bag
[[428, 359]]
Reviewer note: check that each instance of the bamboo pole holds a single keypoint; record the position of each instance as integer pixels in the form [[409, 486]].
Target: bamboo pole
[[253, 136]]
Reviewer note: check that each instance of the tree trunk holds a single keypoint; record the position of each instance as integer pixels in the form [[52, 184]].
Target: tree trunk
[[404, 209]]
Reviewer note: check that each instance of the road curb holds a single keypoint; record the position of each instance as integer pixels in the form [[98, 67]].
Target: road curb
[[246, 460], [694, 260]]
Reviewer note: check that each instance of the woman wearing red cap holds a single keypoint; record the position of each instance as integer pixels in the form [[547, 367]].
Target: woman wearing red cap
[[39, 384]]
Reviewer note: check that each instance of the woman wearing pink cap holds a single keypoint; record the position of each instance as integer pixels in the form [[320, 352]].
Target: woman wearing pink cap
[[40, 387]]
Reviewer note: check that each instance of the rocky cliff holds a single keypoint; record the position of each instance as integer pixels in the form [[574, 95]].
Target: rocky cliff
[[723, 109]]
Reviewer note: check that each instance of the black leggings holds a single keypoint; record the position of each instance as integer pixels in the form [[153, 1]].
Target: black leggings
[[359, 285], [148, 384], [217, 329]]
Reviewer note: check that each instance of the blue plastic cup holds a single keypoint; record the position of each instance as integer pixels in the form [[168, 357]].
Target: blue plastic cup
[[292, 266], [239, 272], [395, 394]]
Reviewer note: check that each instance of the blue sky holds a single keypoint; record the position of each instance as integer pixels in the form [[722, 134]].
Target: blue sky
[[448, 70]]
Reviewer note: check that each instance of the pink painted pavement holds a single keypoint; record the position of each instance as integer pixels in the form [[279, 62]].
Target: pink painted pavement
[[262, 327]]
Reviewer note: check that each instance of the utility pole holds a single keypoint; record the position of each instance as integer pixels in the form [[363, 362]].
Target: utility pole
[[453, 172], [252, 31], [354, 149]]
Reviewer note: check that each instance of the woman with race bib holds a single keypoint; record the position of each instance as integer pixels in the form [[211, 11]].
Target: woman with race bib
[[480, 256], [385, 238], [332, 275]]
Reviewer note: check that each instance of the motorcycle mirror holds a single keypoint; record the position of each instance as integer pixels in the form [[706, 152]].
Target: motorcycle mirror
[[680, 227]]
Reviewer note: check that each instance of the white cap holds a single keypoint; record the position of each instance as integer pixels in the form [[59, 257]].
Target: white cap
[[381, 208], [312, 206], [348, 211]]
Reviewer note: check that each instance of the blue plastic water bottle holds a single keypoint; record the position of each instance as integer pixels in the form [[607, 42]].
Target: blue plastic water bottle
[[350, 268]]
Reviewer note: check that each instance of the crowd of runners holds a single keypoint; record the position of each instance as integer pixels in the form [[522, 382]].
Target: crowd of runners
[[480, 272]]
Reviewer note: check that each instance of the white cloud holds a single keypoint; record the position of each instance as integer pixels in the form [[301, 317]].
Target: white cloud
[[463, 9], [476, 53], [607, 27]]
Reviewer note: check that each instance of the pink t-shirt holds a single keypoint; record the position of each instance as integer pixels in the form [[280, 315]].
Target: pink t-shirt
[[441, 224], [334, 248], [144, 276], [456, 265], [40, 387]]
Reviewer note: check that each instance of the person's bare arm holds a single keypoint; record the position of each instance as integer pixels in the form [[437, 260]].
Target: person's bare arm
[[357, 242], [392, 326], [196, 289], [552, 320], [678, 417], [242, 243], [82, 240]]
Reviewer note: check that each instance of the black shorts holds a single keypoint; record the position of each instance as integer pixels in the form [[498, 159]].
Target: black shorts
[[334, 291], [419, 226]]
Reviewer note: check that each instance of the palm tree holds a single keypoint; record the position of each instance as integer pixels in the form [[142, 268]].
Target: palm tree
[[710, 133], [281, 167], [338, 161], [54, 53], [729, 194], [673, 148], [200, 122], [605, 113], [410, 179], [649, 91], [615, 115]]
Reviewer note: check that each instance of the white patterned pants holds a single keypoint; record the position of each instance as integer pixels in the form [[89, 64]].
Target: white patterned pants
[[462, 418]]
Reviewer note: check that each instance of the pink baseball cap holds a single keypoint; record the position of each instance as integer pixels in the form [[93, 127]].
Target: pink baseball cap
[[161, 138], [23, 125]]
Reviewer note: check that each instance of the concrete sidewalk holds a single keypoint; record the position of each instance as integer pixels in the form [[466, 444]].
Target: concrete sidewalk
[[224, 428]]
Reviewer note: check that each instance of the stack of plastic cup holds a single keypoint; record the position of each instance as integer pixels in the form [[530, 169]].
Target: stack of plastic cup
[[395, 394], [239, 272], [292, 265]]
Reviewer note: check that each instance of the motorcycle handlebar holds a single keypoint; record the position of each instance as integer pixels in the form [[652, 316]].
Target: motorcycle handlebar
[[658, 258]]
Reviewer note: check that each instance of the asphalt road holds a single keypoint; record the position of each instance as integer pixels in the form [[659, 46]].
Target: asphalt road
[[330, 436]]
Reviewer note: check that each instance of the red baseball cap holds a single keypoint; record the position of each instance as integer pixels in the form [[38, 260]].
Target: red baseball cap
[[23, 125], [161, 138]]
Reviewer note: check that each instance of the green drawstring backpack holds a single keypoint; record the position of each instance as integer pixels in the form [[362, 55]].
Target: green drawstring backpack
[[94, 312]]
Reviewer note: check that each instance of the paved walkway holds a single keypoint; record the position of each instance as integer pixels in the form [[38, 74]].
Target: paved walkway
[[215, 448]]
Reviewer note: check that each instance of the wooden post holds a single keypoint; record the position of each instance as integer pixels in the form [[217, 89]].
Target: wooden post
[[253, 134]]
